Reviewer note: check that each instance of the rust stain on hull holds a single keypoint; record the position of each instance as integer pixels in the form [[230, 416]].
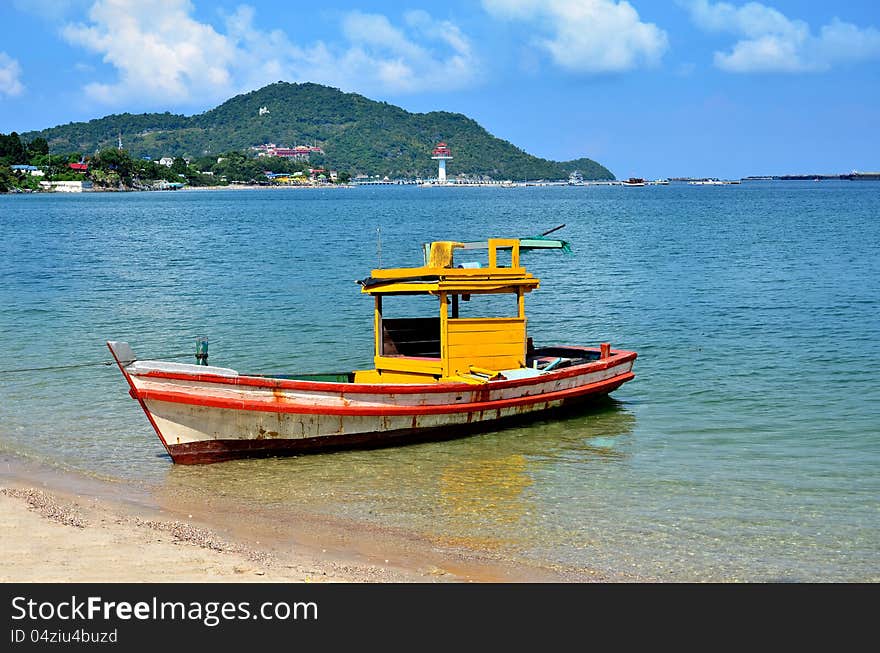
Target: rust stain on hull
[[262, 434]]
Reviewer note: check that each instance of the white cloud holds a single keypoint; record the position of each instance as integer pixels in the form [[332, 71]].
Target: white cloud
[[402, 60], [772, 42], [163, 54], [158, 49], [375, 56], [591, 36], [10, 72]]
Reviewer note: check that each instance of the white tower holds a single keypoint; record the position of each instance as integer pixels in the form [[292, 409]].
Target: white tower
[[442, 155]]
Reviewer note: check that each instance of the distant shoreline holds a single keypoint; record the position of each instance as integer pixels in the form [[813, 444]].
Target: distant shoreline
[[674, 181], [261, 187]]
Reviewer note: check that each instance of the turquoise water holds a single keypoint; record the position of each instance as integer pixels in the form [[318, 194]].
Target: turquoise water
[[747, 448]]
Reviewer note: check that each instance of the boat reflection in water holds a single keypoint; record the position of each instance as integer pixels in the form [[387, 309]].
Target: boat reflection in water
[[489, 492]]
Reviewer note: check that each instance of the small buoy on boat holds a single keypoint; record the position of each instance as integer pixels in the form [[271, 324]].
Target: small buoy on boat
[[202, 350]]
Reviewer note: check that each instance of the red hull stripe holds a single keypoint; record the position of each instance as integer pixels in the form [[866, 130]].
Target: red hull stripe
[[617, 358], [276, 406]]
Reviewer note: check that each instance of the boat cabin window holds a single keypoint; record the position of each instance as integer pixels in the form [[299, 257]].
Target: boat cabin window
[[410, 326], [473, 306], [479, 258]]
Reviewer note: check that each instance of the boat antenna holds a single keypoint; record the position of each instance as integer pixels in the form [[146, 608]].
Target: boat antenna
[[547, 233], [379, 245]]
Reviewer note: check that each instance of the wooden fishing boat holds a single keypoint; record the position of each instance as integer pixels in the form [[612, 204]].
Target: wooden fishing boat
[[447, 374]]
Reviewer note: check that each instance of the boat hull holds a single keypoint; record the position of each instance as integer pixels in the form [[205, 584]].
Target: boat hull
[[203, 417]]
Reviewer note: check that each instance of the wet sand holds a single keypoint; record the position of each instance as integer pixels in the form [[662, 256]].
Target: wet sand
[[61, 526]]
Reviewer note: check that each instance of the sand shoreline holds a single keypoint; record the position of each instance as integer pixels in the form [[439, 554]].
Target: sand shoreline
[[61, 526]]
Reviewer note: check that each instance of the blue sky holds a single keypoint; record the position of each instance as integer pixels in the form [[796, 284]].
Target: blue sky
[[651, 89]]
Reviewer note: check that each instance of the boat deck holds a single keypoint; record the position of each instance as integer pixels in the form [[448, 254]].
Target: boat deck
[[542, 359]]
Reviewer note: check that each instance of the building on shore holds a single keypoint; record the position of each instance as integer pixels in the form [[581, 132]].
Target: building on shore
[[66, 186], [297, 152], [33, 171]]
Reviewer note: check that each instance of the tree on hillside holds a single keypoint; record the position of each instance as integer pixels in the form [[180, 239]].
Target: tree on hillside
[[37, 147], [149, 171], [12, 151], [114, 159], [111, 166], [7, 179], [179, 166]]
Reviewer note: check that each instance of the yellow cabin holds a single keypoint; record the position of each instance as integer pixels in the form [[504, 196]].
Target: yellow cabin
[[454, 344]]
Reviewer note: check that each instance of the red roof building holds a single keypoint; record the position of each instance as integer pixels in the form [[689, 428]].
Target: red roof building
[[300, 152]]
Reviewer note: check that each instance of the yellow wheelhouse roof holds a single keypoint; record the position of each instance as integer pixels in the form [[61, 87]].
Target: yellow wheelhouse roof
[[440, 274]]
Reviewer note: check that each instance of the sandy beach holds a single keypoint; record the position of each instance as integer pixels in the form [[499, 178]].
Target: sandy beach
[[60, 526], [51, 540]]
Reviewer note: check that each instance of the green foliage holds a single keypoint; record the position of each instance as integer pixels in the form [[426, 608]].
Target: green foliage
[[199, 179], [238, 166], [56, 166], [179, 167], [359, 136], [106, 178], [113, 159], [102, 133], [17, 180], [67, 175], [112, 167], [7, 182], [38, 147], [12, 152]]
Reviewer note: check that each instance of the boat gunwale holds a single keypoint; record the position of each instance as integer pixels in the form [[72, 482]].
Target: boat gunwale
[[617, 357]]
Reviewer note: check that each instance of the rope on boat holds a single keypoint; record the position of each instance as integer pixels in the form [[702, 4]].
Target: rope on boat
[[77, 365]]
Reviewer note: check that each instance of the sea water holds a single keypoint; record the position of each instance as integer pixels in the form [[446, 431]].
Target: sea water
[[747, 447]]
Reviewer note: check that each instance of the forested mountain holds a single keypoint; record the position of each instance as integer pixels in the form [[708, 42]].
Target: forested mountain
[[358, 135]]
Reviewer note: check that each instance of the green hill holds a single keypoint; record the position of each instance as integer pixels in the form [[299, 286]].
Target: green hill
[[358, 135]]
